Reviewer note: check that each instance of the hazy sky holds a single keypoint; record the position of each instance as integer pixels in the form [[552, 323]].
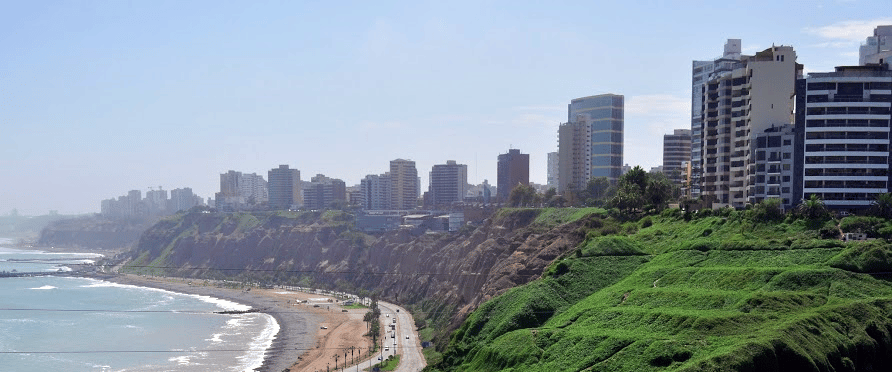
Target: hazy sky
[[98, 98]]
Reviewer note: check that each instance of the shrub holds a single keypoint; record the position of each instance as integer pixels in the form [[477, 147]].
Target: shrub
[[646, 222]]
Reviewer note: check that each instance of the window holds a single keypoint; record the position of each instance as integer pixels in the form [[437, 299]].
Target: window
[[786, 178], [786, 166], [787, 142], [785, 190], [787, 155]]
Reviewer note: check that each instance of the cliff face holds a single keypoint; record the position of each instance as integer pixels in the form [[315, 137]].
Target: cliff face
[[93, 232], [451, 273]]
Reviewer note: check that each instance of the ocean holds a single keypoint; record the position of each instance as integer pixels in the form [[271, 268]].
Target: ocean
[[78, 324]]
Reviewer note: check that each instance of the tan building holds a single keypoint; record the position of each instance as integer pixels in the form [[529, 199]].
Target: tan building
[[284, 187], [755, 94], [405, 188]]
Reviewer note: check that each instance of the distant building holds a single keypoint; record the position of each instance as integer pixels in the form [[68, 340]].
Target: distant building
[[405, 187], [448, 183], [182, 200], [284, 187], [375, 192], [877, 49], [322, 192], [513, 169], [156, 201], [240, 191], [590, 143], [676, 152], [553, 164]]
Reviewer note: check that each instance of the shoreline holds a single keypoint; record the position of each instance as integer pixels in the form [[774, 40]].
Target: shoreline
[[308, 337], [301, 343], [293, 340]]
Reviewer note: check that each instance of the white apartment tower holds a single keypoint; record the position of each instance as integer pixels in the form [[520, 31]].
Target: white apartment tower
[[375, 192], [846, 123]]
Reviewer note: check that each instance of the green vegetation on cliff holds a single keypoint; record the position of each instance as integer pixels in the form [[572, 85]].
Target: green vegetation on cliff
[[716, 291]]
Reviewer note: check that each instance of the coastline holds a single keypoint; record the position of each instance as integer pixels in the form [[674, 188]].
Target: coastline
[[308, 338], [301, 343]]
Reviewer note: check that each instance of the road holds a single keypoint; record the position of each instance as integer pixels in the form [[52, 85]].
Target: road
[[409, 349]]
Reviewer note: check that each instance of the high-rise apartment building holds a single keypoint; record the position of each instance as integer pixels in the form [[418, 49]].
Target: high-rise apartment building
[[253, 188], [229, 182], [182, 199], [845, 128], [877, 49], [513, 169], [738, 103], [676, 152], [240, 190], [700, 73], [405, 188], [322, 192], [284, 187], [375, 192], [553, 166], [448, 183], [590, 144]]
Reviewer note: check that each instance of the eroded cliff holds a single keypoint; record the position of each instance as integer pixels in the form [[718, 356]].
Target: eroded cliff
[[446, 274]]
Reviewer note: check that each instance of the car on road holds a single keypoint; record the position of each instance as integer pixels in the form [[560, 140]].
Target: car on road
[[407, 337]]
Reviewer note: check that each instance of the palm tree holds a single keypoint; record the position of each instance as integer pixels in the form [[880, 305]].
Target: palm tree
[[882, 206], [813, 208]]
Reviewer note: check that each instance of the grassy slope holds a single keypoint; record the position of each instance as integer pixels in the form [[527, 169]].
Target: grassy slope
[[714, 293]]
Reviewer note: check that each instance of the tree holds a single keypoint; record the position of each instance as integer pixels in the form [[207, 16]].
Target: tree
[[523, 195], [638, 190], [550, 193], [658, 191], [882, 206], [636, 176], [628, 197], [813, 208], [596, 191], [769, 210]]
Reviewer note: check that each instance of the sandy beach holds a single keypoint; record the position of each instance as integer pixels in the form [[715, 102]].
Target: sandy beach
[[309, 336]]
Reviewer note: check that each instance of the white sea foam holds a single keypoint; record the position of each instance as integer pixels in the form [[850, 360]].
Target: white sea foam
[[223, 304], [215, 338], [260, 344], [181, 360], [45, 287]]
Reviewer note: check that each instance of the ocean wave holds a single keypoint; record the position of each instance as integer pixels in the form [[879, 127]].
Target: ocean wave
[[7, 250], [46, 287], [260, 344], [223, 304]]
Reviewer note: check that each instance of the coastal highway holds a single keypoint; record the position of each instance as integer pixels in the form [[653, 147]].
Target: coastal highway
[[411, 359], [409, 349]]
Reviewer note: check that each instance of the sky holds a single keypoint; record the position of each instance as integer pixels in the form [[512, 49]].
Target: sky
[[101, 97]]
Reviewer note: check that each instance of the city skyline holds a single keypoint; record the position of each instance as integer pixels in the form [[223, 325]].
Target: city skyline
[[106, 97]]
